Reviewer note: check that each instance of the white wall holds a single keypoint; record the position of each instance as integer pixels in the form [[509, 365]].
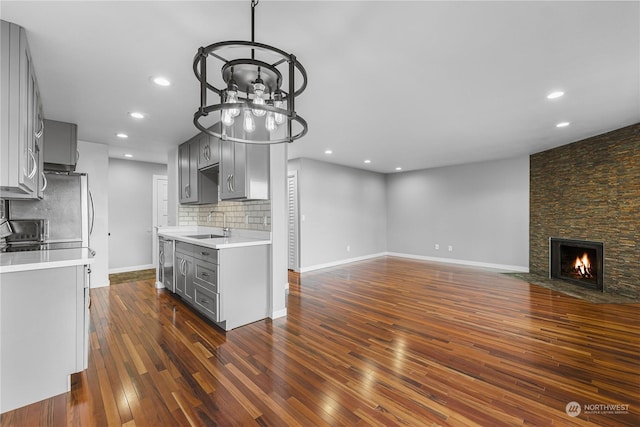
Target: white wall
[[130, 214], [481, 209], [94, 161], [339, 207]]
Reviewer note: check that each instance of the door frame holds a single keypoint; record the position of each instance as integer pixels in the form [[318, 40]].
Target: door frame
[[154, 220], [296, 221]]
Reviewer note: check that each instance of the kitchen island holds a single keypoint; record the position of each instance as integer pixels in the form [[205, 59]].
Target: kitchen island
[[44, 323], [226, 279]]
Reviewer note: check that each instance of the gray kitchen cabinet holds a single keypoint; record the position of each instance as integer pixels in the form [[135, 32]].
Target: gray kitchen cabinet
[[196, 187], [209, 151], [228, 286], [244, 171], [183, 266], [61, 146], [20, 124]]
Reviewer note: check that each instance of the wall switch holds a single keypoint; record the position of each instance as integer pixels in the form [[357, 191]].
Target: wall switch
[[304, 217], [436, 247], [450, 248], [348, 248]]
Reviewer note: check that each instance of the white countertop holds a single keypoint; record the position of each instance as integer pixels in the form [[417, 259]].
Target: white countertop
[[237, 238], [11, 262]]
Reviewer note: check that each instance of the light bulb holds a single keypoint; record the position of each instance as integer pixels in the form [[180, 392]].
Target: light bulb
[[278, 103], [226, 117], [270, 122], [232, 98], [248, 123], [258, 97]]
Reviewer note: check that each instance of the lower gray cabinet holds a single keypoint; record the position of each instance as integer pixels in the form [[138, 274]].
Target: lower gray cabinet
[[229, 286], [183, 266]]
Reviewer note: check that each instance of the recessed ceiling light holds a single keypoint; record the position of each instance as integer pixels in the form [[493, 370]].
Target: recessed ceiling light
[[328, 152], [367, 161], [128, 155], [556, 94], [161, 81], [122, 135], [136, 115], [562, 124], [398, 168]]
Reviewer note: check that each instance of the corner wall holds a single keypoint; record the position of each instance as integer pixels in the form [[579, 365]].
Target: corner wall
[[342, 213], [590, 190], [480, 210]]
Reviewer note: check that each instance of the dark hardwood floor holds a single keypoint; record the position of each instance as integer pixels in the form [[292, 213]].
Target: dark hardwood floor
[[381, 342]]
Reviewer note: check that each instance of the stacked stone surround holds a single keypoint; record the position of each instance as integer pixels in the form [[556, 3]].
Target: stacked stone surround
[[590, 190], [252, 215]]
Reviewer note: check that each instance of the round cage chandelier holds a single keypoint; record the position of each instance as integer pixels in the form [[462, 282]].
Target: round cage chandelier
[[251, 90]]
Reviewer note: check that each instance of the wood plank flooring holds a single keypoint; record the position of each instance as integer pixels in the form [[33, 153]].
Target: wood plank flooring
[[389, 342]]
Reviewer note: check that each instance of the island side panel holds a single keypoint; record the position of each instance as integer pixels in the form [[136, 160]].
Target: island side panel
[[244, 284], [38, 332]]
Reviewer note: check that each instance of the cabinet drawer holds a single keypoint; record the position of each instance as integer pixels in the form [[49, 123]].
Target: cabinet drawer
[[206, 302], [185, 248], [206, 275], [206, 254]]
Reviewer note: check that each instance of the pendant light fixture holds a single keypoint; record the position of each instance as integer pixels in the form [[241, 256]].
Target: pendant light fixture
[[257, 92]]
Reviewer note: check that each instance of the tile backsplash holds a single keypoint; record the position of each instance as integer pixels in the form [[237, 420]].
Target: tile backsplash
[[250, 215]]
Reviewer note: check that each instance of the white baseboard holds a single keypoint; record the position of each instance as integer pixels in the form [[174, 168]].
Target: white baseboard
[[159, 285], [278, 314], [486, 265], [100, 285], [340, 262], [131, 268]]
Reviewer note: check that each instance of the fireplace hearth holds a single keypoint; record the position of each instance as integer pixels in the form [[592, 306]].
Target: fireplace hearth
[[577, 261]]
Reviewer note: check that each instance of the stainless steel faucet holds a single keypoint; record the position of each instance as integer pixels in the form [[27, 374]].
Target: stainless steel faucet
[[225, 229]]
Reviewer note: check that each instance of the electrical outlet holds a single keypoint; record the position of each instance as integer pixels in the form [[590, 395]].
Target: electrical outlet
[[348, 248], [436, 247], [450, 248]]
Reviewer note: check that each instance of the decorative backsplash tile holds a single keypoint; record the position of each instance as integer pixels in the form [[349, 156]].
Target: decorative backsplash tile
[[250, 215]]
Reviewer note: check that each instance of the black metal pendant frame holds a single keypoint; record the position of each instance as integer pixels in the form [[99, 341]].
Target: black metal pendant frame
[[245, 71]]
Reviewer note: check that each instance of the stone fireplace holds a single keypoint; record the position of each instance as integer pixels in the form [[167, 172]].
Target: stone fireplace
[[589, 190], [578, 261]]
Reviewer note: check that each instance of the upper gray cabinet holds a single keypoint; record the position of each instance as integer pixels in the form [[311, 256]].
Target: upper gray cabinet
[[61, 146], [209, 151], [20, 115], [196, 187], [244, 171]]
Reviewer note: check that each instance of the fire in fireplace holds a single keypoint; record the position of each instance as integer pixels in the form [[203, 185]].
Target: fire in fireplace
[[578, 261]]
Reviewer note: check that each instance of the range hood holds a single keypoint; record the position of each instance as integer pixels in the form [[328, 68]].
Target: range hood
[[60, 144]]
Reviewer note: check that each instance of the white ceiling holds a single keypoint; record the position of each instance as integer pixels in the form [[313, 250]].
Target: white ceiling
[[414, 84]]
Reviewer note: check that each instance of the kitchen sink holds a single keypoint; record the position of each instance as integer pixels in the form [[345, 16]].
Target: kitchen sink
[[205, 236]]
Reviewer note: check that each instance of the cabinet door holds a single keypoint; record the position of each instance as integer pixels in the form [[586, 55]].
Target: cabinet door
[[209, 151], [181, 274], [232, 170], [38, 133], [28, 88], [186, 193], [194, 153]]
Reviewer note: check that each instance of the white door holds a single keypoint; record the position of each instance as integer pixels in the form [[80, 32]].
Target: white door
[[160, 210], [292, 184]]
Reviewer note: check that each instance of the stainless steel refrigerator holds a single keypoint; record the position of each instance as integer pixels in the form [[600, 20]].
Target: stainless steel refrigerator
[[66, 208]]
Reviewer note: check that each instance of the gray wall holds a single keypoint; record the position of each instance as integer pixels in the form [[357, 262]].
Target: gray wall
[[339, 207], [130, 213], [481, 209]]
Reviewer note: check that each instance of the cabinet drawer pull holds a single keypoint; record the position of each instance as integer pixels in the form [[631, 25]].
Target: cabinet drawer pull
[[204, 253], [203, 301], [205, 274]]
